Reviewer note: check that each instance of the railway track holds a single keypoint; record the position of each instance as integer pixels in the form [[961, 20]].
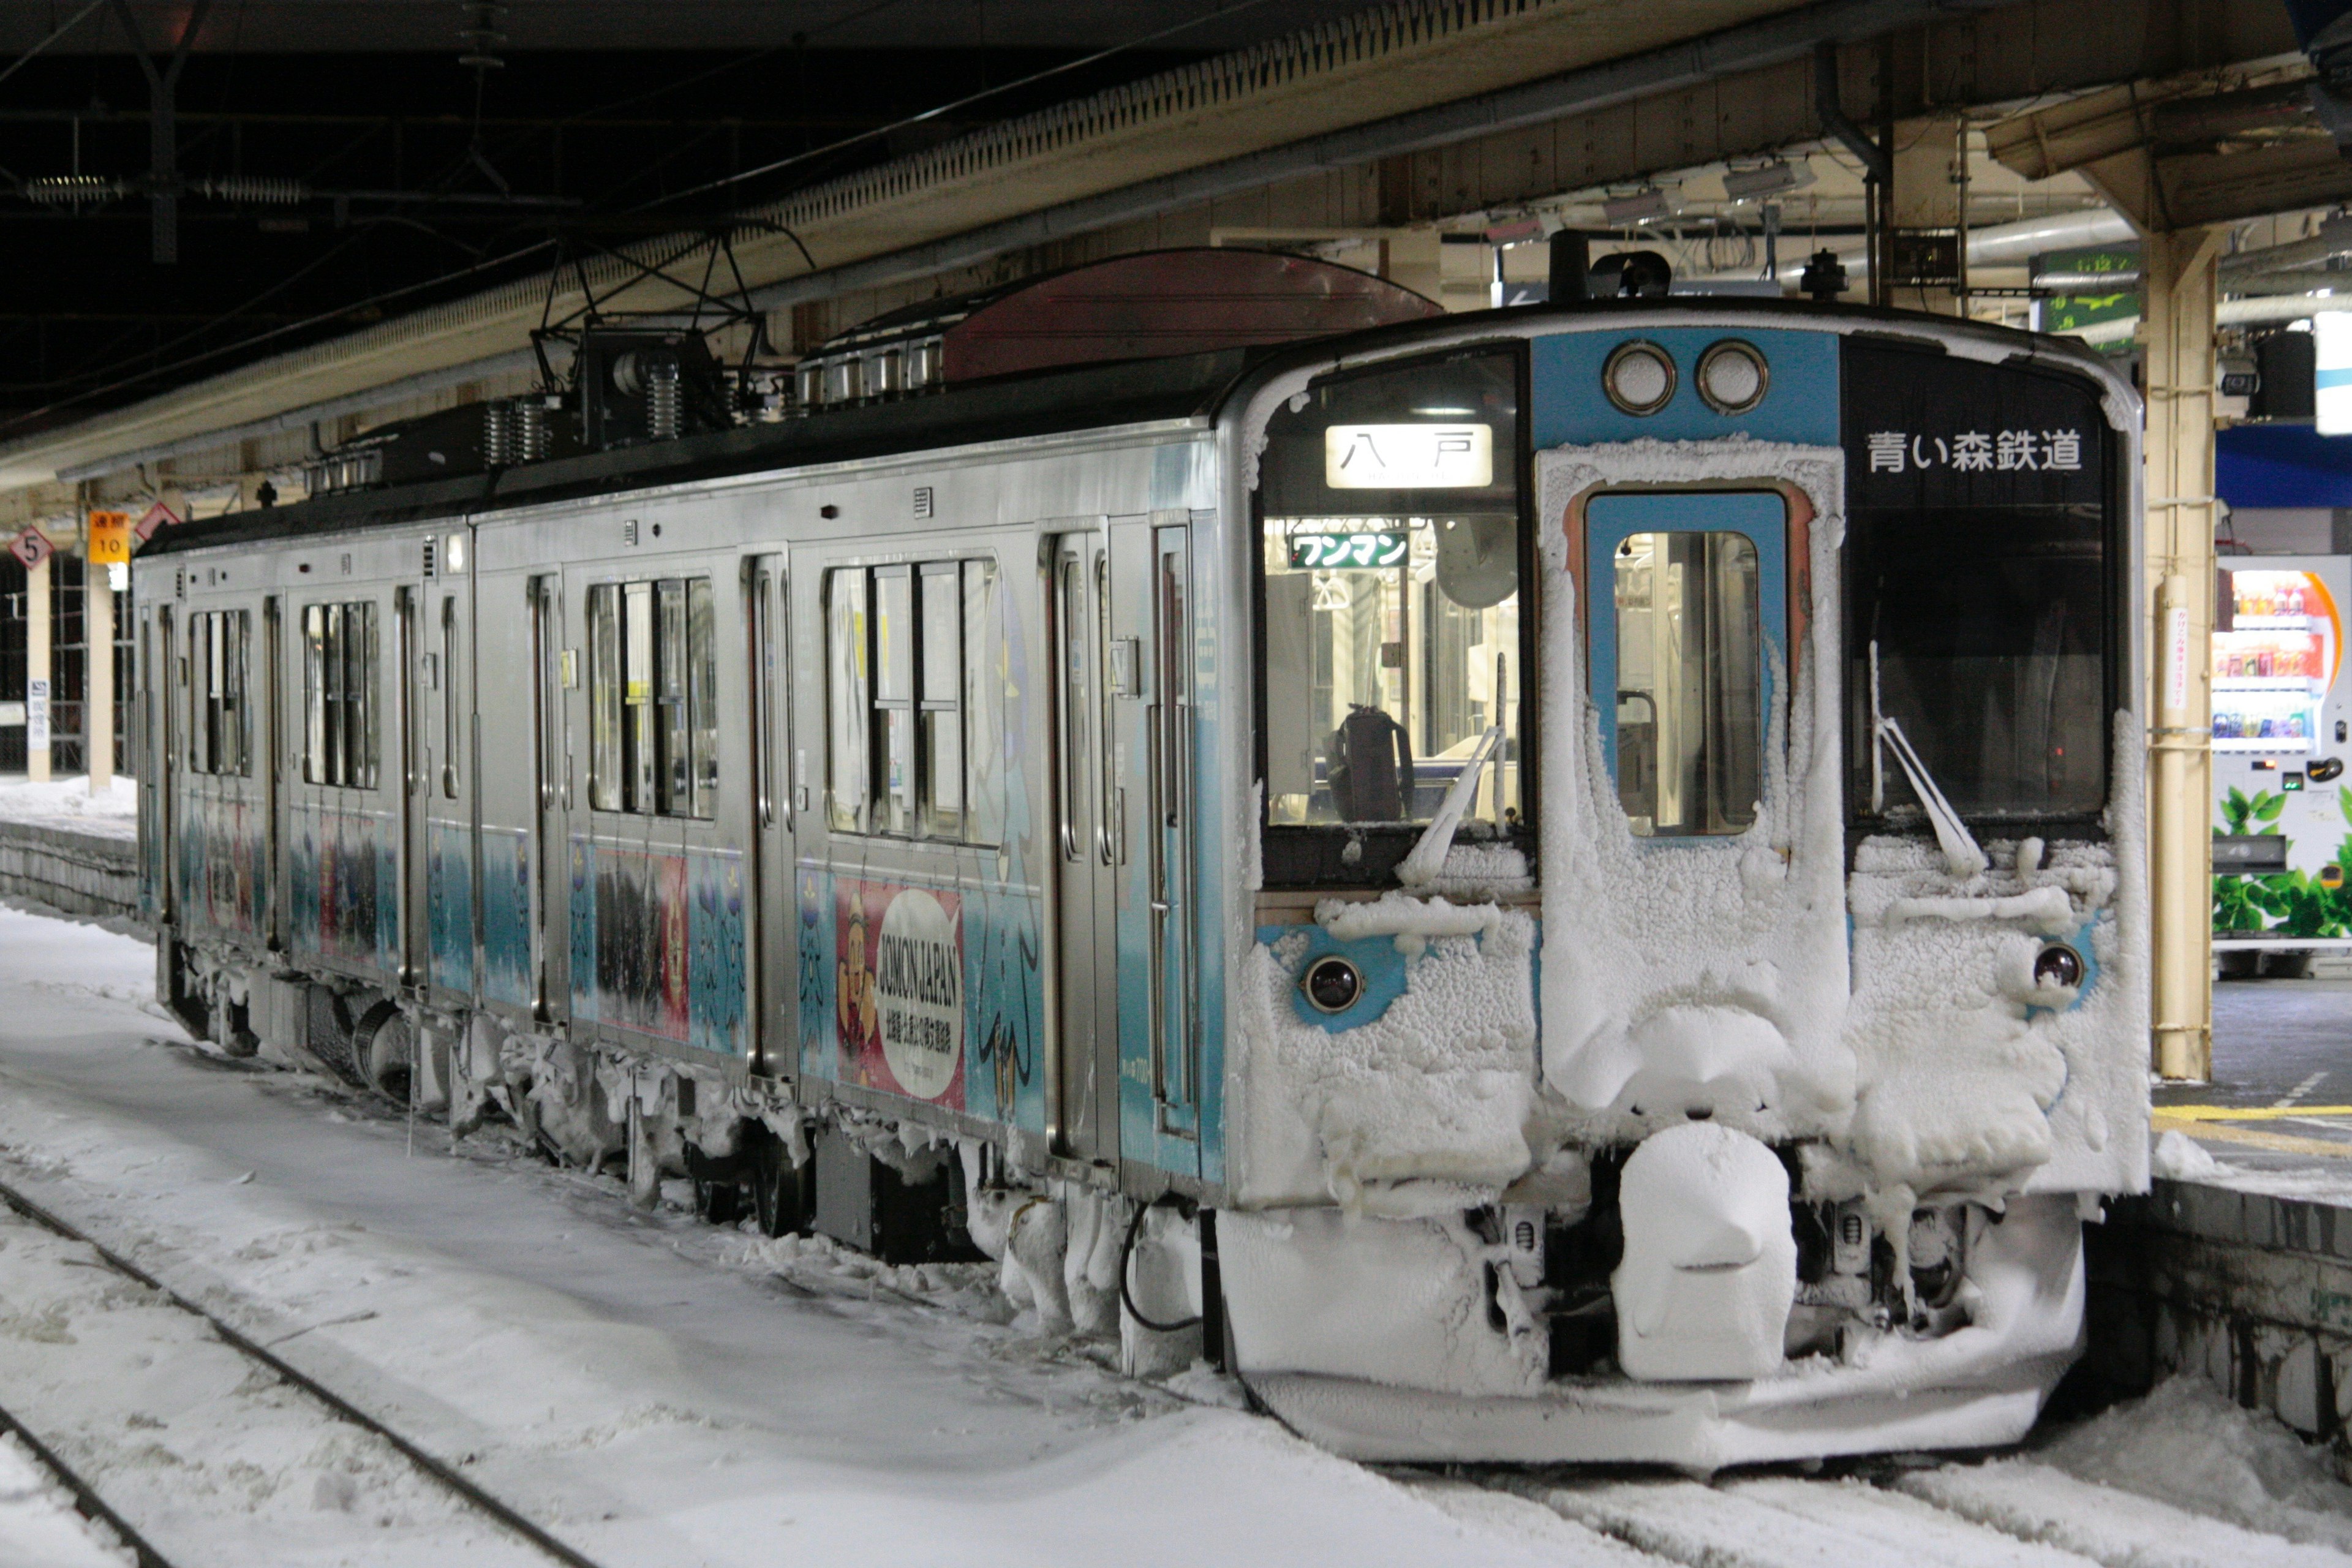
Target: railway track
[[427, 1467], [1922, 1512]]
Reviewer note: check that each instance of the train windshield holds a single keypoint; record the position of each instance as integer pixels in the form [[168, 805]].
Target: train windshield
[[1390, 550], [1983, 633]]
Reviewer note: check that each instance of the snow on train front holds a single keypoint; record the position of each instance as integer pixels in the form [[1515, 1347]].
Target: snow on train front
[[1694, 979]]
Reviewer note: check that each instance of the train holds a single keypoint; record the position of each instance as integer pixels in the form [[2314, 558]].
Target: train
[[1563, 883]]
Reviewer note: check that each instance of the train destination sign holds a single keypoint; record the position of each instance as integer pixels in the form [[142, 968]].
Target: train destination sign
[[1346, 551], [1408, 456]]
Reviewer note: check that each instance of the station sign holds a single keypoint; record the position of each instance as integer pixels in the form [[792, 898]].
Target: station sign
[[1409, 457], [31, 547], [108, 540]]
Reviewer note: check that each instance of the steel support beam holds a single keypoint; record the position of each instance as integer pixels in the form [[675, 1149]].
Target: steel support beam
[[1754, 46]]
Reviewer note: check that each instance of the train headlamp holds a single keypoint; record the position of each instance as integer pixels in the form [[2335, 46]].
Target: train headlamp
[[1732, 376], [1332, 983], [1639, 377], [2059, 965]]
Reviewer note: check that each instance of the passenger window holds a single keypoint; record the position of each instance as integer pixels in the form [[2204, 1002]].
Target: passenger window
[[983, 705], [901, 743], [942, 719], [894, 692], [1689, 684], [702, 695], [847, 697], [604, 697], [653, 699], [450, 726], [339, 666]]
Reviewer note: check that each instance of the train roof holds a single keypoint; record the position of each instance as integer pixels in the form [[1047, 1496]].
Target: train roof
[[1061, 401]]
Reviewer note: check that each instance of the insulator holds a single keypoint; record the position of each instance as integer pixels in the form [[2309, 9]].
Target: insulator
[[498, 433], [663, 411], [263, 188], [63, 190], [530, 430]]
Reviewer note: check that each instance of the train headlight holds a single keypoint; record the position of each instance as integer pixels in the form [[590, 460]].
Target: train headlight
[[1639, 377], [1732, 376], [2059, 965], [1332, 983]]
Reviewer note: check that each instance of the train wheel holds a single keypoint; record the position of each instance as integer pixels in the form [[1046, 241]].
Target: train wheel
[[385, 1046], [720, 1202], [782, 1193]]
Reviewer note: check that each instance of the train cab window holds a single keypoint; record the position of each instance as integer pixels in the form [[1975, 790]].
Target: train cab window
[[914, 694], [1983, 634], [338, 677], [1689, 682], [220, 724], [1392, 540], [652, 697]]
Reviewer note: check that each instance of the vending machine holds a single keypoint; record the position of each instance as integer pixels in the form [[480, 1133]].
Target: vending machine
[[2282, 733]]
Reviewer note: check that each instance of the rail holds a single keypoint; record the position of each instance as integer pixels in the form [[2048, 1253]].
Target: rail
[[445, 1475]]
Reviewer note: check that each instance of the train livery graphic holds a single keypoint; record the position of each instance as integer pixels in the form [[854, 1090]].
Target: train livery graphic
[[1562, 883]]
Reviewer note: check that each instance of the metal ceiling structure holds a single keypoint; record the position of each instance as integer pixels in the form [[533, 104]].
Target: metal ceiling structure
[[1413, 114]]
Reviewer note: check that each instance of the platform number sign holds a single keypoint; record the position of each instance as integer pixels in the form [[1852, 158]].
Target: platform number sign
[[31, 547]]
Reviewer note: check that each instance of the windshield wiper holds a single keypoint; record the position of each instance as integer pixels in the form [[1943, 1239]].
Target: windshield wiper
[[1962, 855]]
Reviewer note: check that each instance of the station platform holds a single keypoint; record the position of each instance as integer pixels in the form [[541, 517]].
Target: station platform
[[2238, 1263]]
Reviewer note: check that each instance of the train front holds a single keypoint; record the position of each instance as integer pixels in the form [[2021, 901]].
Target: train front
[[1695, 985]]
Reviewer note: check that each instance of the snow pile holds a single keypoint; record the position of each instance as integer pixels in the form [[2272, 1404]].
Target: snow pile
[[68, 803], [1710, 1266], [1420, 1109], [2181, 1157], [1414, 1303], [2187, 1446], [1751, 924], [1973, 1076]]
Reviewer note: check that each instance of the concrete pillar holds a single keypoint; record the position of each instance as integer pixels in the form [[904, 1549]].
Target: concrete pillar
[[39, 689], [97, 676], [2180, 285]]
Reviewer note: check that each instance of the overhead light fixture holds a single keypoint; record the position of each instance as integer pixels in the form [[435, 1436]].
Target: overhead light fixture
[[1641, 206], [1771, 179]]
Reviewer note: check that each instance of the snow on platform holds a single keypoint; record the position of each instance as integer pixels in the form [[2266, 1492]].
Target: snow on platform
[[68, 803]]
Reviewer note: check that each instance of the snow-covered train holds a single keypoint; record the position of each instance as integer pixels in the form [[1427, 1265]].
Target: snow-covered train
[[1562, 883]]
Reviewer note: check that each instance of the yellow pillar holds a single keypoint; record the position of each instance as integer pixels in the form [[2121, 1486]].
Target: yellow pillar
[[97, 676], [2179, 285]]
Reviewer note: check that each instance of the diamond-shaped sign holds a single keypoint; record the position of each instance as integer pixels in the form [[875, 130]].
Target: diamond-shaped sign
[[154, 517], [32, 547]]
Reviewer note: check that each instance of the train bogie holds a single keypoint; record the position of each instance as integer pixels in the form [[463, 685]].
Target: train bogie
[[1555, 885]]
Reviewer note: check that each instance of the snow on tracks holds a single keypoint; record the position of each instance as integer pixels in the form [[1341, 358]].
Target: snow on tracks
[[2012, 1513], [211, 1455], [2117, 1529], [39, 1526]]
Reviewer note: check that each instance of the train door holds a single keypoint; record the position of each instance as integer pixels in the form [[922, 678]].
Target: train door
[[412, 702], [553, 670], [775, 1002], [1149, 661], [1087, 967], [273, 765]]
